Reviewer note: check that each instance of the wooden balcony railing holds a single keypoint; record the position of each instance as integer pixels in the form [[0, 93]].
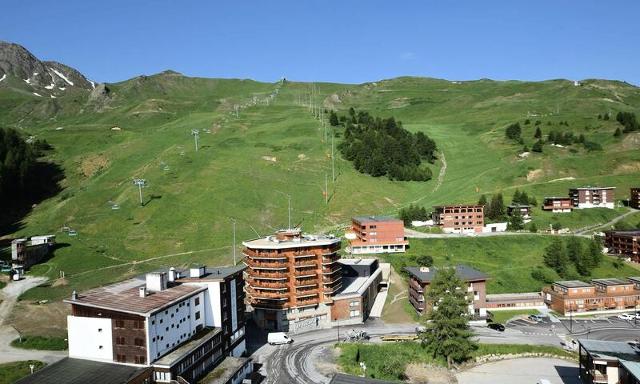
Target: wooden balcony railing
[[270, 265], [266, 284], [306, 263], [271, 275], [255, 294], [305, 272]]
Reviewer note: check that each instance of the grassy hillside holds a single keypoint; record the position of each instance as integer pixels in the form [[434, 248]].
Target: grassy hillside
[[247, 164]]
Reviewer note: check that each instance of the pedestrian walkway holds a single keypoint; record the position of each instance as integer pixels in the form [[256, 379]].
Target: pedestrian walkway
[[378, 304]]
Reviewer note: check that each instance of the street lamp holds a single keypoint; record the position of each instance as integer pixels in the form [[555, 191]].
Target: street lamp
[[141, 183]]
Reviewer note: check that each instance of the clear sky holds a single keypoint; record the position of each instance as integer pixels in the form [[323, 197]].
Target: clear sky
[[349, 41]]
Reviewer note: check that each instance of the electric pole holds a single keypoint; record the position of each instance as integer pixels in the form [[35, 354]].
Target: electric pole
[[196, 135], [141, 183], [326, 189], [333, 161]]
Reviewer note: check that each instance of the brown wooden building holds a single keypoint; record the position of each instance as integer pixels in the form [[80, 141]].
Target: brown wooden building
[[557, 204], [599, 295], [593, 197], [377, 234], [461, 218], [421, 277], [634, 198], [623, 243]]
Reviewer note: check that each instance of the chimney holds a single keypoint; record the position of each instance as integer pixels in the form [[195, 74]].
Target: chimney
[[172, 274], [156, 281], [143, 291], [197, 272], [74, 295]]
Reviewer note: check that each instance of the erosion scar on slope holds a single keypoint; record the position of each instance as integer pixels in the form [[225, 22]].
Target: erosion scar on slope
[[443, 171]]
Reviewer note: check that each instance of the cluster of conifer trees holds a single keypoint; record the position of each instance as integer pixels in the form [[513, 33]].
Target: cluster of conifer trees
[[382, 147]]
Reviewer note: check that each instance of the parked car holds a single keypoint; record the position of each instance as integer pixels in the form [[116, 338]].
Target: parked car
[[497, 326], [536, 318], [276, 338], [625, 316]]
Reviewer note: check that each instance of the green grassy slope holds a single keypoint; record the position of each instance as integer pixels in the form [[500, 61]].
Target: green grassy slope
[[187, 215]]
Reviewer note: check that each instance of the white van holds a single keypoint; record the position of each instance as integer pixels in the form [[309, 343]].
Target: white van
[[275, 338]]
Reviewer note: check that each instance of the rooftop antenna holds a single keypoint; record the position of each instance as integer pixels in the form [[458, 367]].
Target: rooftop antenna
[[141, 183], [196, 135]]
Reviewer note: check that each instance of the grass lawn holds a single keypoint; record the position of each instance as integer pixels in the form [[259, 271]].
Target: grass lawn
[[397, 308], [388, 361], [12, 372], [507, 260], [503, 316], [41, 343]]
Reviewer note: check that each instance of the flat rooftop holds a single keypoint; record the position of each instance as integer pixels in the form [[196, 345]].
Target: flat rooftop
[[125, 297], [633, 367], [464, 272], [368, 261], [356, 285], [304, 240], [592, 188], [611, 282], [630, 232], [376, 219], [496, 297], [212, 274], [187, 347], [78, 371], [225, 370], [458, 206], [610, 350], [573, 284]]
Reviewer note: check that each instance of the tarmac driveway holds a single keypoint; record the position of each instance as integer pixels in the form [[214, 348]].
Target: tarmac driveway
[[522, 371]]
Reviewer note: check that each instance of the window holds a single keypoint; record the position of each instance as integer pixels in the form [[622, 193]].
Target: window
[[196, 301], [139, 342], [119, 323], [198, 315], [120, 340], [138, 324], [121, 358], [139, 359], [354, 313], [99, 329]]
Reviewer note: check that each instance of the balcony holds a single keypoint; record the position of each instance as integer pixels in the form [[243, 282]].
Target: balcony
[[416, 287], [306, 263], [306, 282], [266, 265], [598, 377], [268, 275], [267, 284], [304, 255], [307, 302], [330, 271], [264, 255], [331, 279], [254, 293], [333, 289], [268, 304], [417, 305], [305, 273], [306, 293]]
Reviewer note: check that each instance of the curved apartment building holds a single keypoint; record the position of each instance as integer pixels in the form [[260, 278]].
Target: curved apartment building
[[291, 279]]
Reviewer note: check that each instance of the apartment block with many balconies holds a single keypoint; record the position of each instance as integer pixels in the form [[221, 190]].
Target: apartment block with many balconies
[[376, 234], [623, 243], [463, 218], [421, 277], [593, 197], [573, 296], [174, 324], [291, 279]]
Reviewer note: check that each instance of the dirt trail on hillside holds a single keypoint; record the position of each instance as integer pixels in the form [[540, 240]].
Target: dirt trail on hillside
[[443, 172]]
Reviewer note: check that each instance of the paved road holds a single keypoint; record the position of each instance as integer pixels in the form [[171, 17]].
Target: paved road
[[606, 225], [413, 234], [298, 362], [10, 295]]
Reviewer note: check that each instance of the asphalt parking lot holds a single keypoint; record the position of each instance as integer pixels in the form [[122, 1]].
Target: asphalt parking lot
[[527, 370]]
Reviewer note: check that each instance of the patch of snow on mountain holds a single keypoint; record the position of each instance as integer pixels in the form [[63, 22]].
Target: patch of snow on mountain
[[3, 77], [28, 81], [93, 85], [62, 88], [50, 86], [51, 96], [63, 77], [37, 94]]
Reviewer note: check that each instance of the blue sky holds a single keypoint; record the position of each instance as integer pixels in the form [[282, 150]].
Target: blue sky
[[342, 41]]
